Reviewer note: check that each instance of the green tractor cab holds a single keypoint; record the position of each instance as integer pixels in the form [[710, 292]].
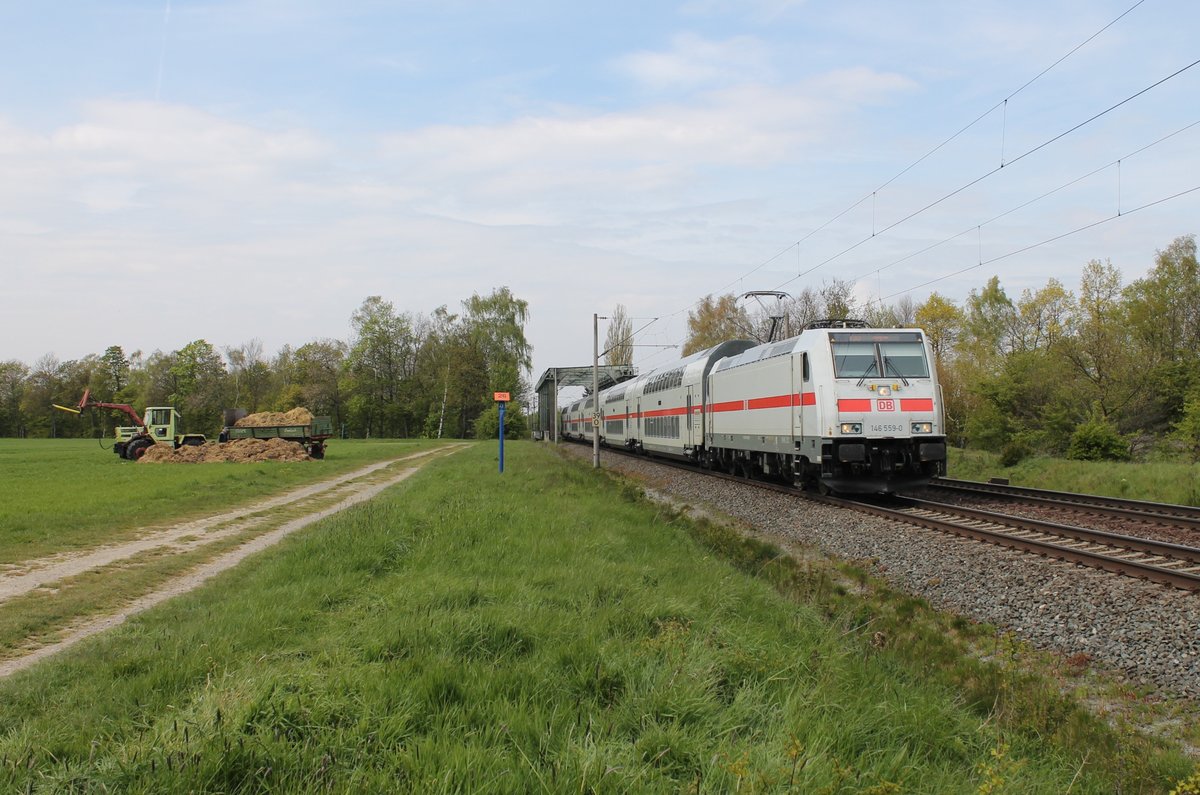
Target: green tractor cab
[[161, 427]]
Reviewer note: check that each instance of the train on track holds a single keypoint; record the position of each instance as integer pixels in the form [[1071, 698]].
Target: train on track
[[840, 408]]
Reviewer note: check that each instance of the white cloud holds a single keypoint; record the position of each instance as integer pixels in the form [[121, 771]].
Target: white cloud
[[694, 61], [128, 155], [181, 137], [644, 157]]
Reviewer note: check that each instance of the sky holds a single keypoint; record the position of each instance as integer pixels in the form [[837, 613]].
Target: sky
[[253, 170]]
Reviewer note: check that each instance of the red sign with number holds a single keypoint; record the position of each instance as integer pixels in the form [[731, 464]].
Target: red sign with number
[[500, 397]]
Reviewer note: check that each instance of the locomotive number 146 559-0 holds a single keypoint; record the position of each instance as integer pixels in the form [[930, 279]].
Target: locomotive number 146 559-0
[[885, 427]]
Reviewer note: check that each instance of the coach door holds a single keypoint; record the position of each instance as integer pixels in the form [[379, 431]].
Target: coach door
[[690, 438], [804, 379]]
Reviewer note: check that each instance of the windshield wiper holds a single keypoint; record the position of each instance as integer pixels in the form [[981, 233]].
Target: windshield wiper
[[866, 374], [888, 363]]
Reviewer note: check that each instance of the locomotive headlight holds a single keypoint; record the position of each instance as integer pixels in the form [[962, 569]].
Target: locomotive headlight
[[852, 427], [884, 391], [922, 427]]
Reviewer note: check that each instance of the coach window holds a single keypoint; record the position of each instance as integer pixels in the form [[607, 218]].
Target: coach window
[[804, 366]]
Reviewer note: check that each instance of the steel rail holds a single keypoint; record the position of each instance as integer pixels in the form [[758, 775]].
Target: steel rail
[[995, 534], [1162, 549], [1184, 515], [1186, 579]]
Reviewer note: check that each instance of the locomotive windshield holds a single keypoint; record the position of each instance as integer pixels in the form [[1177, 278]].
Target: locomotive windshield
[[903, 359], [882, 355], [854, 360]]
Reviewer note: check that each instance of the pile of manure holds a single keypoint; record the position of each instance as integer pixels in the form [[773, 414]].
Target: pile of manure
[[241, 451], [266, 419]]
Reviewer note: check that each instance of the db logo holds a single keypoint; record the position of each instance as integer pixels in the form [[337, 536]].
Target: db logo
[[886, 405]]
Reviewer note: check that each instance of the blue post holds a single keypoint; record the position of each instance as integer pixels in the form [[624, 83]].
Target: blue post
[[501, 437]]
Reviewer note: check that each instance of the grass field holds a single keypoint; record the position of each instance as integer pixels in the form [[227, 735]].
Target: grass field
[[547, 630], [65, 494], [1156, 481]]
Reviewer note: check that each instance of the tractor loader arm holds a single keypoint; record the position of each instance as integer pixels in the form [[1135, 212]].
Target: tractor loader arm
[[86, 402]]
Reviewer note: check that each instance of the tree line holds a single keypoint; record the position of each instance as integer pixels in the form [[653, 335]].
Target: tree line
[[1109, 372], [401, 374]]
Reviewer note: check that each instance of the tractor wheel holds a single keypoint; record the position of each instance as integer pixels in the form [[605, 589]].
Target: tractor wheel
[[137, 448], [316, 450]]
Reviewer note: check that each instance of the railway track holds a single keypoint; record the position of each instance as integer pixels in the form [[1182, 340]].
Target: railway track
[[1176, 565], [1172, 564], [1137, 510]]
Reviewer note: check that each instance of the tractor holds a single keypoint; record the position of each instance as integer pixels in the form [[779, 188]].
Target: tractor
[[160, 426]]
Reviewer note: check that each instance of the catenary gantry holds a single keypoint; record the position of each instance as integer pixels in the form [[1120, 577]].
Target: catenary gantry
[[555, 378]]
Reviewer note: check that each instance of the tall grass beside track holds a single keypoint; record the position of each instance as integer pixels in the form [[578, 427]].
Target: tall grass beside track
[[63, 494], [1157, 481], [543, 630]]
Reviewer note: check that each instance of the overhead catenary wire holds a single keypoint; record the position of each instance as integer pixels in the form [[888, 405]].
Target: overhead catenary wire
[[993, 172], [874, 193], [628, 337], [1000, 104], [1047, 241], [1023, 205]]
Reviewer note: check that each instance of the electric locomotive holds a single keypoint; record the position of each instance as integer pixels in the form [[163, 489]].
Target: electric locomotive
[[839, 408]]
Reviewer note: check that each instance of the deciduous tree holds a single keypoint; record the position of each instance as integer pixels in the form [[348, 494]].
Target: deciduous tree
[[197, 375], [942, 322], [14, 377], [381, 356], [714, 321], [618, 340], [114, 371], [1100, 349], [494, 332]]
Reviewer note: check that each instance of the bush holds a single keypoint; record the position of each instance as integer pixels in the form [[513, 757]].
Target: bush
[[988, 429], [487, 424], [1016, 451], [1097, 440], [1187, 430]]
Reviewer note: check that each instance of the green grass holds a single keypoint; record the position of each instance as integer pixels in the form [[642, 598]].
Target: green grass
[[1156, 481], [42, 615], [68, 494], [545, 630], [39, 617]]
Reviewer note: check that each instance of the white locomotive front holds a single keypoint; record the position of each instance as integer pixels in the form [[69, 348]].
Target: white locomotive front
[[851, 410]]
